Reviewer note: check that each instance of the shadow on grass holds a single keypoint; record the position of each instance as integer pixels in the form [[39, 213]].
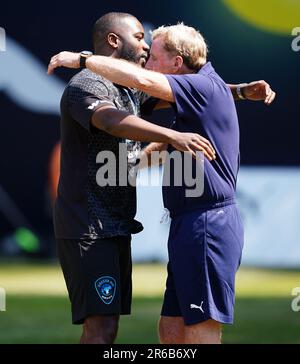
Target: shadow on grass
[[46, 319]]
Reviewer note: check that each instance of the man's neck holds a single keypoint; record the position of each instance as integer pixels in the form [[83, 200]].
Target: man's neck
[[105, 53], [186, 70]]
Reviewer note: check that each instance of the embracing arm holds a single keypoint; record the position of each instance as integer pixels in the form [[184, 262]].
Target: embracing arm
[[255, 91], [124, 125], [118, 71], [130, 75], [153, 83]]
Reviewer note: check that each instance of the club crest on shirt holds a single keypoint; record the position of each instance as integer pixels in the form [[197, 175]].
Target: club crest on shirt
[[106, 289]]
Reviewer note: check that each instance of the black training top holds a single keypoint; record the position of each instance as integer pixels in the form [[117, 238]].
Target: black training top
[[83, 209]]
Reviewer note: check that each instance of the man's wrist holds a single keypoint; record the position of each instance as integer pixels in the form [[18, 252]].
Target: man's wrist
[[171, 137], [87, 61], [240, 91], [83, 57]]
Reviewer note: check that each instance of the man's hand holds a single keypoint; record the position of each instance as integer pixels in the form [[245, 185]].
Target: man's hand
[[259, 91], [190, 142], [64, 59]]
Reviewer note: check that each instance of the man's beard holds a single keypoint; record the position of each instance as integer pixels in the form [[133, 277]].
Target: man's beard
[[130, 55]]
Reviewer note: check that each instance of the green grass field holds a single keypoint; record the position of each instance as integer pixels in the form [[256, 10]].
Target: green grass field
[[38, 310]]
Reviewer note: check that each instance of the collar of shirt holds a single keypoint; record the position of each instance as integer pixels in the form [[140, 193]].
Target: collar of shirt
[[206, 69]]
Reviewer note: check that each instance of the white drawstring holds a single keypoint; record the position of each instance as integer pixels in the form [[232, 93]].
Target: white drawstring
[[165, 219]]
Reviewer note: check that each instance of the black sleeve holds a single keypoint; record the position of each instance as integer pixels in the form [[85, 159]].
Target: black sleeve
[[84, 98]]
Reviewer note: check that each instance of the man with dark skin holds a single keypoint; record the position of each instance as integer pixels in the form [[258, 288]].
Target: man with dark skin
[[93, 224]]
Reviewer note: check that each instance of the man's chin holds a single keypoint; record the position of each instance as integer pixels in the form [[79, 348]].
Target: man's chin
[[142, 62]]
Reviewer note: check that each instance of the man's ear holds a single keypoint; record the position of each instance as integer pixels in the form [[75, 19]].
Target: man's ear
[[178, 62], [113, 40]]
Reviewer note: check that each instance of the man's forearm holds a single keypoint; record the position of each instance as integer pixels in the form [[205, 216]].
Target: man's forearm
[[128, 74], [117, 71], [234, 89], [153, 83], [124, 125]]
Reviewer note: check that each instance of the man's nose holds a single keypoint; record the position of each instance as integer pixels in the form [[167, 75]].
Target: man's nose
[[146, 46]]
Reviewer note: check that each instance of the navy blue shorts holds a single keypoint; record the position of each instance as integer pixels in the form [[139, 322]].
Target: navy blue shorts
[[205, 249]]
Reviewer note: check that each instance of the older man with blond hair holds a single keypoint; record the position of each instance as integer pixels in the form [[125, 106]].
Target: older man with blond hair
[[206, 234]]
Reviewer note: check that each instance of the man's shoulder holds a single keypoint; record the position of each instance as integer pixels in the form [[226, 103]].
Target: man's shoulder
[[87, 82], [86, 76], [192, 83], [207, 82], [191, 78]]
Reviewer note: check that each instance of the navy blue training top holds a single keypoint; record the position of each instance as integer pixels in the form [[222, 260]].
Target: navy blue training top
[[204, 104]]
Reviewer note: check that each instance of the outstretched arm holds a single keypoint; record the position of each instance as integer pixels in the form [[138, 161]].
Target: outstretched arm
[[153, 83], [118, 71], [255, 91]]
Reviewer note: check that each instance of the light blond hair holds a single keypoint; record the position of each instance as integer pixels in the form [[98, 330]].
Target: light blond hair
[[185, 41]]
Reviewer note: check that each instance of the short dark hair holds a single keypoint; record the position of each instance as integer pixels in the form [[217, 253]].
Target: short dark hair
[[105, 25]]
